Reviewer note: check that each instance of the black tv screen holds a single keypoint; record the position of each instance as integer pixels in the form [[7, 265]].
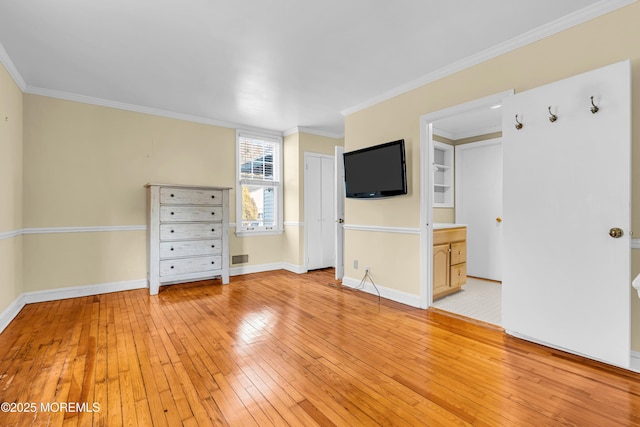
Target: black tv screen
[[377, 171]]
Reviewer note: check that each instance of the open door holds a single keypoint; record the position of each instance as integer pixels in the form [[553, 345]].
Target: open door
[[566, 271], [339, 212]]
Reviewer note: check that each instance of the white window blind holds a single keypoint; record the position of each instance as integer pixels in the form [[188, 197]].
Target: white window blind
[[259, 179]]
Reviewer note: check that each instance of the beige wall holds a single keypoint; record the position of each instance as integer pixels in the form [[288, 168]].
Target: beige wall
[[86, 166], [602, 41], [11, 146]]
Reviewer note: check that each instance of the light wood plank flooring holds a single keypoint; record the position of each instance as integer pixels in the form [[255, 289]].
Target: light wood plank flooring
[[284, 349]]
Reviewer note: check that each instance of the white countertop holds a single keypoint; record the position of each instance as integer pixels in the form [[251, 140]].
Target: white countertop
[[442, 225]]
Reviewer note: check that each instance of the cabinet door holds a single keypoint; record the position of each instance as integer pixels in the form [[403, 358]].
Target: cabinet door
[[440, 269]]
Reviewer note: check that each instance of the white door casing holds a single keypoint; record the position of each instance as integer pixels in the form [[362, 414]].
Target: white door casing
[[566, 183], [479, 205], [339, 212], [426, 186]]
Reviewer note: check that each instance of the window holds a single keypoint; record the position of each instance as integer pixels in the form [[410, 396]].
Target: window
[[259, 196]]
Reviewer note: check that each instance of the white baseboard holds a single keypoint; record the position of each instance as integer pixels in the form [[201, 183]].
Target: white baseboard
[[14, 308], [392, 294], [9, 313], [83, 291], [635, 361], [259, 268]]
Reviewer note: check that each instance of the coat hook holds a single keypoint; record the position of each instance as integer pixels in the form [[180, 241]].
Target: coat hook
[[552, 117], [594, 107], [518, 124]]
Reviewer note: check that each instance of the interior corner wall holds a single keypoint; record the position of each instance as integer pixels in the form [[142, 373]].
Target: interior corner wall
[[84, 201], [11, 183], [602, 41]]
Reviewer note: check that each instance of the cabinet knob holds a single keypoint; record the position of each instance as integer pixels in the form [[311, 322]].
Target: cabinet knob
[[172, 195], [213, 246], [172, 267], [213, 213], [213, 262], [172, 213], [172, 231], [171, 248], [213, 229], [213, 197]]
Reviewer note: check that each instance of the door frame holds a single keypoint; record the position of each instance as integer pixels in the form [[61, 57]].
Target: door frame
[[339, 193], [426, 187], [307, 194]]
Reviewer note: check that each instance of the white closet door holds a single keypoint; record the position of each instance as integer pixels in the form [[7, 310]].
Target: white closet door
[[566, 282], [479, 205], [319, 211]]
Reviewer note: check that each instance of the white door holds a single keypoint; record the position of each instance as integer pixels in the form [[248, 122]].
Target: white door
[[339, 212], [319, 211], [479, 205], [566, 282]]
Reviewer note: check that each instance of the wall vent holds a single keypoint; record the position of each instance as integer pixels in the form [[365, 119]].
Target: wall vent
[[240, 259]]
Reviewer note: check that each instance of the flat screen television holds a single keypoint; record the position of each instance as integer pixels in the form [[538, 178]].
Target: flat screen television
[[374, 172]]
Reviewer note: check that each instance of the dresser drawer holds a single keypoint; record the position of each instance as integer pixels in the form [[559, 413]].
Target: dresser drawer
[[182, 231], [189, 248], [190, 213], [174, 267], [191, 196]]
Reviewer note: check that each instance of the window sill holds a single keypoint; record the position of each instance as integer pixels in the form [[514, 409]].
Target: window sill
[[245, 233]]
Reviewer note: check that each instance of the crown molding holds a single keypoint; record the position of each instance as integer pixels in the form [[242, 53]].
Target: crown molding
[[468, 134], [588, 13], [68, 96], [304, 129], [11, 69]]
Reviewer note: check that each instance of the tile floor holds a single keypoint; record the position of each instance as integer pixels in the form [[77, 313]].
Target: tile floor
[[479, 299]]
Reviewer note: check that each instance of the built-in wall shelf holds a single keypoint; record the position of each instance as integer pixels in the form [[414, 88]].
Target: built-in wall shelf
[[443, 175]]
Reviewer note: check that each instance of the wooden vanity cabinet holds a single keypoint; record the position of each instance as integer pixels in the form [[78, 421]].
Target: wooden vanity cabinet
[[449, 260]]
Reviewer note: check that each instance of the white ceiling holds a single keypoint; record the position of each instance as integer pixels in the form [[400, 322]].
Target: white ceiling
[[274, 65]]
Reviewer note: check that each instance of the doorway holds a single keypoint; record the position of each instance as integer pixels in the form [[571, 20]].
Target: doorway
[[472, 132]]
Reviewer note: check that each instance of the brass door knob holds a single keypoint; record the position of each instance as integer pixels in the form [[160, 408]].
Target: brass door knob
[[498, 219], [616, 232]]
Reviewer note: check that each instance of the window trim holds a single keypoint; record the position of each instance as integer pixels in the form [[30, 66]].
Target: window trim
[[279, 185]]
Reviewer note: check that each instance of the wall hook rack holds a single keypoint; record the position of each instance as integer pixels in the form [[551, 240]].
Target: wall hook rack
[[594, 107], [552, 117], [518, 124]]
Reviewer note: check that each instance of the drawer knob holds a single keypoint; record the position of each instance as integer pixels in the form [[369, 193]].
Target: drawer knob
[[172, 267], [213, 229], [172, 213], [172, 231], [213, 246], [213, 262], [213, 197], [213, 213], [172, 195], [172, 248]]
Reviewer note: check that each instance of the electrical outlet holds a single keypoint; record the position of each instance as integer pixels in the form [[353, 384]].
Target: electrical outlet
[[355, 264], [367, 269]]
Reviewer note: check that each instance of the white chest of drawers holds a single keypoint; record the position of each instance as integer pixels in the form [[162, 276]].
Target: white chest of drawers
[[187, 234]]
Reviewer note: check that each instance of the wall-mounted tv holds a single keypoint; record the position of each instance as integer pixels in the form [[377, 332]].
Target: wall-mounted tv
[[378, 171]]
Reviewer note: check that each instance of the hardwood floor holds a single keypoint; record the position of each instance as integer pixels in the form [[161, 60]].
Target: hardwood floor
[[284, 349]]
